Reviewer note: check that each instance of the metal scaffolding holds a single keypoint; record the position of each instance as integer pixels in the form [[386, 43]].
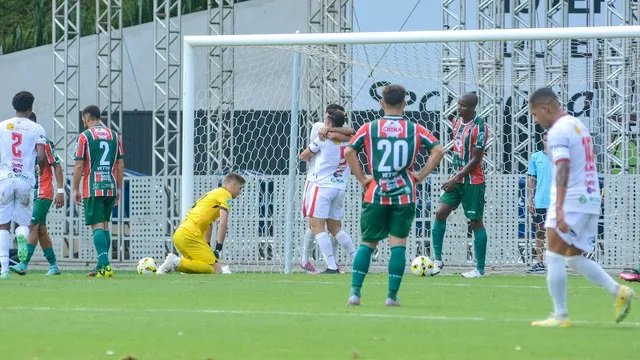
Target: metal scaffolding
[[452, 70], [109, 60], [620, 60], [220, 115], [490, 81], [523, 80], [329, 77], [166, 94], [66, 77], [556, 52]]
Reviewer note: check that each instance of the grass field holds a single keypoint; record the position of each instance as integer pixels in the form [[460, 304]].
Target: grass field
[[268, 316]]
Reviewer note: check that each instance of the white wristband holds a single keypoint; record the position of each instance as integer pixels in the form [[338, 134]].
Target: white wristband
[[60, 191]]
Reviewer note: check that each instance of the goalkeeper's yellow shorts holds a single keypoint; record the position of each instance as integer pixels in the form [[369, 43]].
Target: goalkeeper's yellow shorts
[[197, 256]]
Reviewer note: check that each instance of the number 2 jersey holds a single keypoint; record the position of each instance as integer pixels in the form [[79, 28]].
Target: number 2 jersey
[[18, 140], [569, 139], [391, 145], [330, 169], [100, 148]]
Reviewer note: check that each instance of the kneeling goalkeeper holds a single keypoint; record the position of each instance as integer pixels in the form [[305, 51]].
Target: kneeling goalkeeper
[[191, 236]]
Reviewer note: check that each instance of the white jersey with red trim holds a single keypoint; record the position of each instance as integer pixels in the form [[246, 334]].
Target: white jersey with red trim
[[331, 169], [18, 140], [313, 134], [569, 139]]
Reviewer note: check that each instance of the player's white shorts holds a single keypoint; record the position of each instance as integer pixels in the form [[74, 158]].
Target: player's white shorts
[[305, 198], [16, 201], [325, 203], [583, 229]]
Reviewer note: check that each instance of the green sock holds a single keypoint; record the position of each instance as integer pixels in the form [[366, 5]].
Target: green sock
[[30, 249], [396, 270], [437, 235], [480, 247], [360, 268], [50, 255], [101, 243], [108, 235]]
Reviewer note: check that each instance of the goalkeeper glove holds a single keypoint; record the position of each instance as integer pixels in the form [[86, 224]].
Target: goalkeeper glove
[[217, 251]]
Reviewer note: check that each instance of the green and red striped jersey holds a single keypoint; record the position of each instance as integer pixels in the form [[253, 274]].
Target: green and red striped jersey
[[466, 136], [391, 145], [43, 187], [100, 148]]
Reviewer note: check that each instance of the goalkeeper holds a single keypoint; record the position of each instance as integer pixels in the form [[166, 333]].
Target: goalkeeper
[[191, 236]]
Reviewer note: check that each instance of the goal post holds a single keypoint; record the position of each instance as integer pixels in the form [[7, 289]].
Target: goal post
[[265, 132]]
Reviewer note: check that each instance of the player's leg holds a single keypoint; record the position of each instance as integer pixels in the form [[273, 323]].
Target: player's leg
[[97, 213], [6, 213], [449, 201], [584, 230], [400, 223], [47, 250], [22, 211], [318, 213], [374, 226], [538, 223], [334, 224], [473, 205], [197, 256], [38, 217], [307, 242]]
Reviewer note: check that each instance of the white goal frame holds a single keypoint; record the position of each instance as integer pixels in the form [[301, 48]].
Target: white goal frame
[[188, 75]]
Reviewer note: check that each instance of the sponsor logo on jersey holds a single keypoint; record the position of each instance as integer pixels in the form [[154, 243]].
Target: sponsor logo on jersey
[[392, 129], [101, 133], [582, 199]]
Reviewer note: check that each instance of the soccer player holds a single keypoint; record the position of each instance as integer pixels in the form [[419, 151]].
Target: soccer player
[[100, 165], [389, 203], [328, 184], [191, 237], [572, 217], [318, 130], [631, 275], [539, 186], [466, 185], [21, 146], [43, 195]]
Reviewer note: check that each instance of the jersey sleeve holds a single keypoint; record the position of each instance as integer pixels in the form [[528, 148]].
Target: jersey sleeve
[[41, 137], [480, 136], [315, 145], [357, 140], [426, 138], [531, 169], [222, 200], [120, 154], [559, 144], [315, 128], [50, 153], [81, 150]]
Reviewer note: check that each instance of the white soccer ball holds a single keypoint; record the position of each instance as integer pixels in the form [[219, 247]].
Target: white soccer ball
[[147, 266], [422, 266]]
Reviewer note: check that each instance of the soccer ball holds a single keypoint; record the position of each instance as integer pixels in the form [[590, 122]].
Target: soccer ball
[[422, 266], [147, 266]]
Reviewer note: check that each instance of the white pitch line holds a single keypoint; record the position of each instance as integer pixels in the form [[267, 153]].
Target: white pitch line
[[525, 322]]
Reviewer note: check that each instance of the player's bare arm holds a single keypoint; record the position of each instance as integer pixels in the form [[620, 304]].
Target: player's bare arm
[[531, 188], [435, 156], [119, 177], [59, 200], [562, 181], [78, 169], [222, 226], [476, 160], [306, 155], [41, 158], [351, 157], [207, 235], [325, 132], [336, 136]]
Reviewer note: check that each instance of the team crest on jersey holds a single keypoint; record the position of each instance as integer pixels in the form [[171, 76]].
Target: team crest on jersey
[[10, 126], [577, 129], [391, 129]]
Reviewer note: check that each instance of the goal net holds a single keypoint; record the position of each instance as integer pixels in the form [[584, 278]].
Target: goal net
[[249, 103]]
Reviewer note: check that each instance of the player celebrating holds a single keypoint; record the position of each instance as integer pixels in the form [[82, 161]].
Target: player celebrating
[[21, 143], [43, 197], [388, 209], [318, 130], [100, 164], [572, 217], [466, 185], [191, 236], [329, 182]]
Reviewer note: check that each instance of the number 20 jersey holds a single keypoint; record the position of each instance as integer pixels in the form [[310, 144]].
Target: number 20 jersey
[[391, 144], [100, 148], [18, 140]]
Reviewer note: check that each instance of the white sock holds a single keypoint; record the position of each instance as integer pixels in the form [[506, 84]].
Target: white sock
[[557, 283], [334, 245], [345, 241], [5, 245], [307, 244], [23, 230], [593, 272], [324, 242]]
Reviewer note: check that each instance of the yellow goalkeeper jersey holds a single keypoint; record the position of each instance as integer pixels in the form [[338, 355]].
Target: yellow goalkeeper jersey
[[207, 210]]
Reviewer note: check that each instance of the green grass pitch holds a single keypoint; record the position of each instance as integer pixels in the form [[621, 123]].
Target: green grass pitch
[[269, 316]]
